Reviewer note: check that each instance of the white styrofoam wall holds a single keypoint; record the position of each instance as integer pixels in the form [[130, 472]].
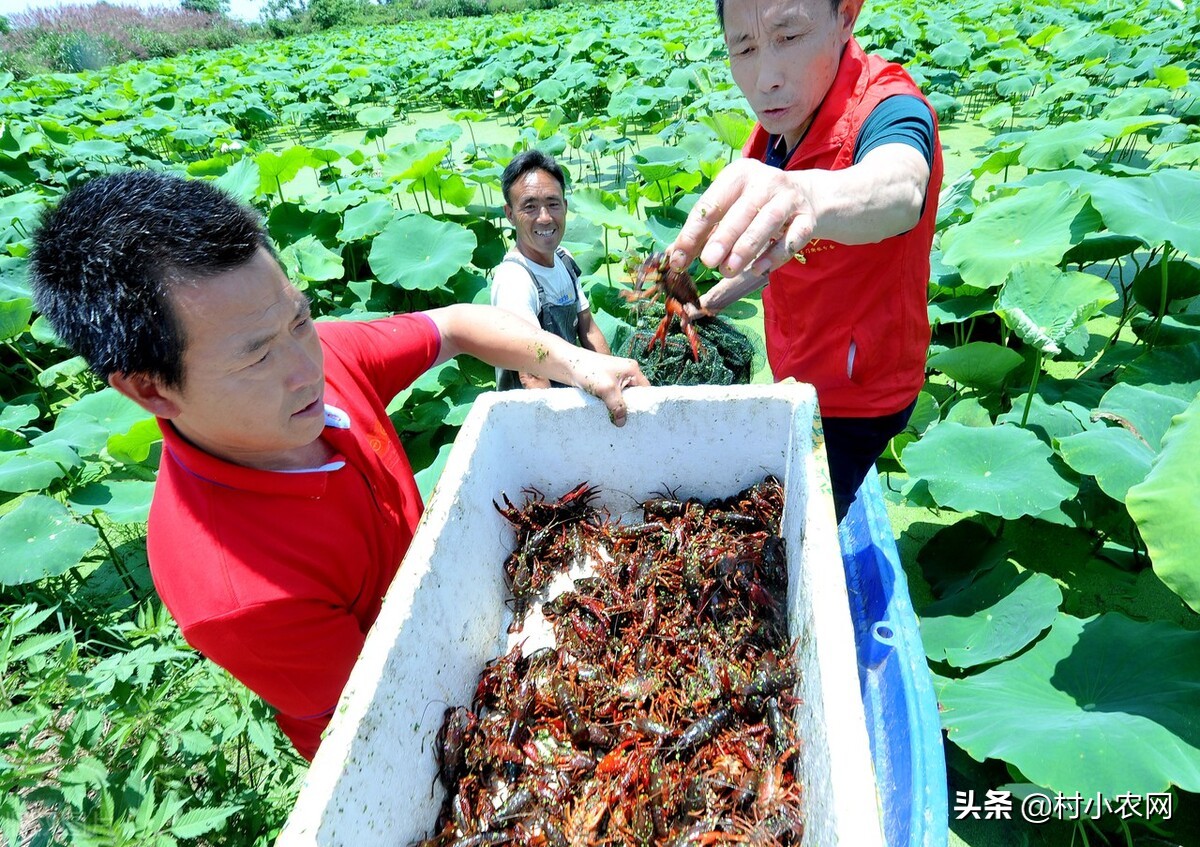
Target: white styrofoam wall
[[373, 779]]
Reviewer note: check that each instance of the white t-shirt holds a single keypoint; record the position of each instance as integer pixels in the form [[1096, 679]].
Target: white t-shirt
[[513, 288]]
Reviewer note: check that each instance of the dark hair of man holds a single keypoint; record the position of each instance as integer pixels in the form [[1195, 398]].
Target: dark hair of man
[[104, 259], [721, 10], [530, 160]]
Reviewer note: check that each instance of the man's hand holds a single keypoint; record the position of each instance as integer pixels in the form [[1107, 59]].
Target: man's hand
[[606, 377], [752, 218]]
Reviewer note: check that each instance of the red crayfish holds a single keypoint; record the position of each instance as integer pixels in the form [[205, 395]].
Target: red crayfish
[[679, 290]]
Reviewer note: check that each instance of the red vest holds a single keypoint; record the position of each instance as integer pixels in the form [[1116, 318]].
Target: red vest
[[871, 295]]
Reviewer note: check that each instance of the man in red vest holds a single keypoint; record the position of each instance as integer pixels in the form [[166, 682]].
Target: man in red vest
[[833, 204]]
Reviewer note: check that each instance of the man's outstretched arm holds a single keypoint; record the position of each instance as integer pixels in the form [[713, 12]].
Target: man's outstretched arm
[[504, 340]]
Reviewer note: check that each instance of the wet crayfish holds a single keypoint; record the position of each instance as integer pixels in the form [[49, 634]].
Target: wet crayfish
[[678, 291], [663, 715], [547, 540]]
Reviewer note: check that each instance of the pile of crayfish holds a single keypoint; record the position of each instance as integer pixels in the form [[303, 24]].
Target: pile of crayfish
[[663, 715]]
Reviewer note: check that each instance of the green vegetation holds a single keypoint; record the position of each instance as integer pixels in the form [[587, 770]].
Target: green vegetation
[[1046, 491]]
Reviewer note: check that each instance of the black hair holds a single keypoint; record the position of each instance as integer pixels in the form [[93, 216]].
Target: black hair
[[721, 10], [103, 261], [531, 160]]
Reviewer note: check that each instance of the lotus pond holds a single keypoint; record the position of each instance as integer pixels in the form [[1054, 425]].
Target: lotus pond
[[1045, 498]]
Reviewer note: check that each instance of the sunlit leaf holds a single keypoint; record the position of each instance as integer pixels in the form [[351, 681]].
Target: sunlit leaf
[[38, 539], [1044, 305], [1102, 705], [420, 252], [993, 618], [1158, 208], [1001, 470], [1165, 505], [1034, 224]]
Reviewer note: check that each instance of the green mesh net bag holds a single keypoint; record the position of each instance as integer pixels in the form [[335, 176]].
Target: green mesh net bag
[[726, 354]]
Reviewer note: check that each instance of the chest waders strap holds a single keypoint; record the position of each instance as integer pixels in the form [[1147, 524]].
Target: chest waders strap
[[561, 320]]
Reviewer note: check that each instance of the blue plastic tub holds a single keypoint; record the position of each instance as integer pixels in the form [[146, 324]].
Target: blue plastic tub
[[902, 716]]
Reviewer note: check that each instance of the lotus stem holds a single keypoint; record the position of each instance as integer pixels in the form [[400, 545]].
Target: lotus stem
[[1162, 296], [1037, 371]]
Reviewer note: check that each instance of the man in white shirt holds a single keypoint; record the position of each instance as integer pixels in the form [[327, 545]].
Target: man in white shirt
[[538, 280]]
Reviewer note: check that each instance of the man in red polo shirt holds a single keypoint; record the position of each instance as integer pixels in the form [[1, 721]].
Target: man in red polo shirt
[[284, 501], [835, 199]]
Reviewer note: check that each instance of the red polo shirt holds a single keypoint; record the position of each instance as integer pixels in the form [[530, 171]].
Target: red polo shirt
[[277, 576]]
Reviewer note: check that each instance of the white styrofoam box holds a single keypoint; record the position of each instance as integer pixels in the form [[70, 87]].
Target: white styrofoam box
[[373, 779]]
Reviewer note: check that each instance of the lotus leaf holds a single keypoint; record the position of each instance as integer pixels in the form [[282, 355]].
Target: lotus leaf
[[310, 260], [732, 128], [124, 501], [1101, 248], [1050, 421], [958, 309], [1045, 306], [1168, 330], [1033, 224], [34, 468], [1161, 207], [1183, 283], [979, 364], [276, 171], [1002, 470], [1174, 371], [418, 252], [133, 447], [86, 424], [38, 539], [445, 132], [242, 179], [1165, 505], [959, 554], [450, 188], [374, 115], [969, 412], [658, 163], [993, 618], [1089, 708], [413, 160], [16, 415], [366, 220], [1116, 457], [14, 317], [600, 207], [1144, 411]]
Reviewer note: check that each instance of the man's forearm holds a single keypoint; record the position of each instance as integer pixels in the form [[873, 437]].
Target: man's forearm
[[879, 197], [730, 290], [502, 339], [593, 338]]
